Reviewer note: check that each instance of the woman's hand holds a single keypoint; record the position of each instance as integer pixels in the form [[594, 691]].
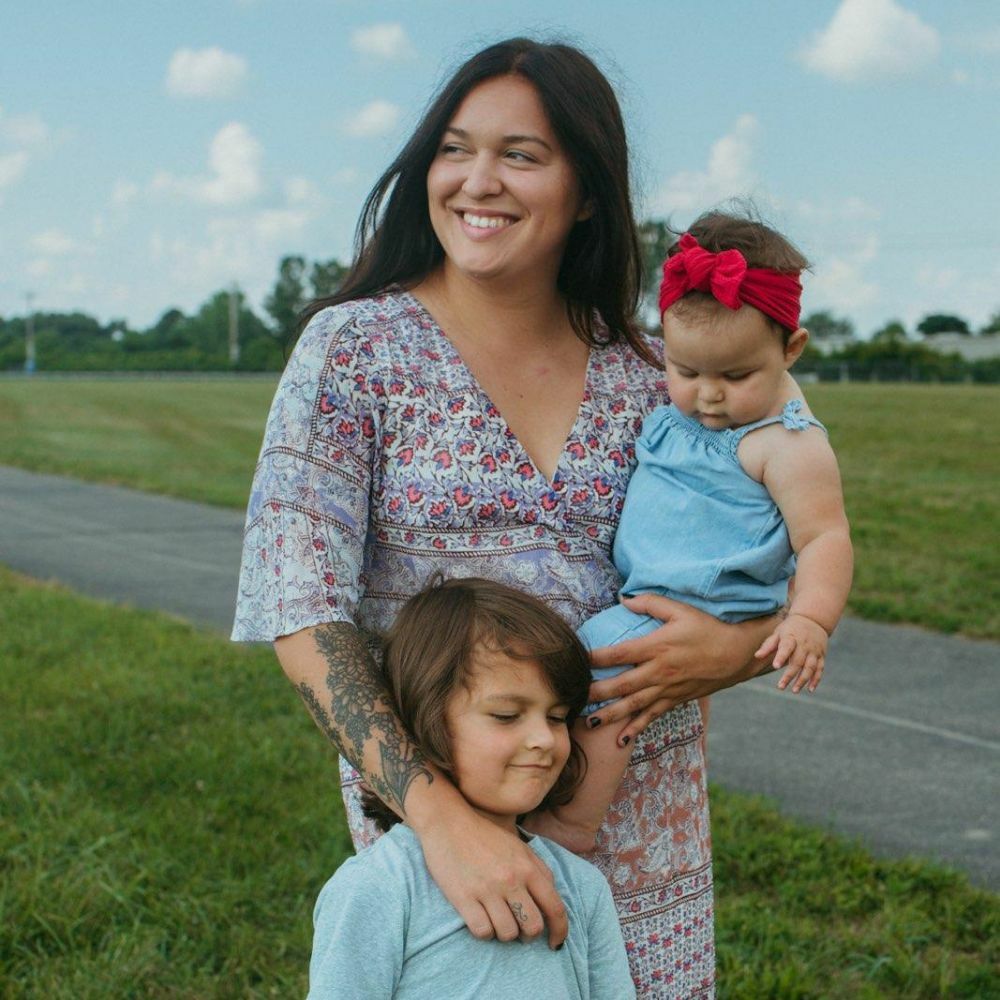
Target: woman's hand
[[498, 885], [691, 655]]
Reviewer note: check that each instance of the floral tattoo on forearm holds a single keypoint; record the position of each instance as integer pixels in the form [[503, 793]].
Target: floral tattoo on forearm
[[358, 713]]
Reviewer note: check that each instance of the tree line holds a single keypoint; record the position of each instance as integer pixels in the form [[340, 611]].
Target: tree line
[[201, 341]]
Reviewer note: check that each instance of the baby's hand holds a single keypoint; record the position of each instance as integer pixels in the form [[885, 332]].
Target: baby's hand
[[799, 645]]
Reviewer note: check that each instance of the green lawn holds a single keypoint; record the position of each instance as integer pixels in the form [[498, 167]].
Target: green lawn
[[168, 813], [193, 439], [921, 468]]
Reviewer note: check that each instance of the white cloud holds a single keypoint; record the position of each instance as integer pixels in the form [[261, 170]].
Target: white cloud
[[383, 41], [38, 268], [728, 173], [869, 39], [24, 130], [212, 73], [54, 243], [376, 118], [302, 191], [124, 193], [234, 160], [840, 282], [12, 165], [237, 248]]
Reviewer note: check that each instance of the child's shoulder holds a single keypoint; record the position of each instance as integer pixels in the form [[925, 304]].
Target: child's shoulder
[[394, 856]]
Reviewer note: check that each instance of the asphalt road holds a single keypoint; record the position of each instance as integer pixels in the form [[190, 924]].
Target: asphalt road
[[900, 747]]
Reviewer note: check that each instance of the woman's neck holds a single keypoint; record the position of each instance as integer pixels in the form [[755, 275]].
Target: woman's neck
[[523, 317]]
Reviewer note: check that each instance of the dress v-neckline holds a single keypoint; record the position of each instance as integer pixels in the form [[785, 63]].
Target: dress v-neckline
[[491, 406]]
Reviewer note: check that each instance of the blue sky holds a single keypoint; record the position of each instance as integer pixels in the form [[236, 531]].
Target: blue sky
[[153, 152]]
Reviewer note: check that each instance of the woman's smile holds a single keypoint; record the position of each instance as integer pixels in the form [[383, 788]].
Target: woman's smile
[[502, 195]]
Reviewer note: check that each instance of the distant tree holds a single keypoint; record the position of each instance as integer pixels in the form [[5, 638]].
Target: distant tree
[[942, 323], [655, 239], [160, 332], [992, 325], [326, 277], [892, 333], [288, 298], [824, 324]]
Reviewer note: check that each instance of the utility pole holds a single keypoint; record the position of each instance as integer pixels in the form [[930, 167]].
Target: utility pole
[[234, 324], [29, 333]]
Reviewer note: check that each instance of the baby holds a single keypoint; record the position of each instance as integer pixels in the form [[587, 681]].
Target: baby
[[736, 487]]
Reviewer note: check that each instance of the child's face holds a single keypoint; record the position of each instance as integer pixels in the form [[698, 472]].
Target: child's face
[[726, 368], [509, 736]]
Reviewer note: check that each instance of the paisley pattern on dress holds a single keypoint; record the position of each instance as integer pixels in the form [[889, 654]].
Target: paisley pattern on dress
[[384, 462]]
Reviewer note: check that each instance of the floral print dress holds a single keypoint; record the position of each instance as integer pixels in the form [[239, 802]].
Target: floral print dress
[[383, 462]]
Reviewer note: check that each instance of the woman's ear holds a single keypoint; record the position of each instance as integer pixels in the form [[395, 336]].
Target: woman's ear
[[586, 210], [796, 344]]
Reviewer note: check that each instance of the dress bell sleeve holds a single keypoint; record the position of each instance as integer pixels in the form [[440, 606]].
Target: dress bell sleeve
[[307, 519]]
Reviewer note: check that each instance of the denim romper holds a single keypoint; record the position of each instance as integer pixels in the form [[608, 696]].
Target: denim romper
[[697, 528]]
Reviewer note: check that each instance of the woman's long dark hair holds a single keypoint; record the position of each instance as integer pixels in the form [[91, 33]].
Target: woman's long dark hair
[[601, 268]]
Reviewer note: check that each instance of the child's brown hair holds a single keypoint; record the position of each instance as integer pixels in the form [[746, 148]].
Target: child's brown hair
[[429, 654], [740, 229]]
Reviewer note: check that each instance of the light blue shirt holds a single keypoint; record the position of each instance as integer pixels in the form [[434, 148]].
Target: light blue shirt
[[383, 929]]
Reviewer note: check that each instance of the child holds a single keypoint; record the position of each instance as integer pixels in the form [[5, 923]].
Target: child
[[736, 486], [487, 681]]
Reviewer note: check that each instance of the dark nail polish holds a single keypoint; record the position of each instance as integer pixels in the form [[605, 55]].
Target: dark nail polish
[[594, 721], [626, 740], [559, 947]]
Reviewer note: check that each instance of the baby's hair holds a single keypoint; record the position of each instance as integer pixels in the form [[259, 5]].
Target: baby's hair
[[430, 652], [740, 229]]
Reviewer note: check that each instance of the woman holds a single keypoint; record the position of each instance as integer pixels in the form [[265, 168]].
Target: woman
[[469, 404]]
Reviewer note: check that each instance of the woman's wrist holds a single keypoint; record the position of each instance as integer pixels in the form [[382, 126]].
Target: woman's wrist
[[431, 804]]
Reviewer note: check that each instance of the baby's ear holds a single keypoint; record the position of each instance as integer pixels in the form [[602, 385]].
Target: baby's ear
[[796, 344]]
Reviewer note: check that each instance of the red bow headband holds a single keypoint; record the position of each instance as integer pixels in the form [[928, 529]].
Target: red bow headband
[[727, 278]]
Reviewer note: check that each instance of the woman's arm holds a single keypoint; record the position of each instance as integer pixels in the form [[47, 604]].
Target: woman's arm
[[480, 868], [691, 655]]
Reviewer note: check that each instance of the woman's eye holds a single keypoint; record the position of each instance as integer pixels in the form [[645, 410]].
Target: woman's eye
[[519, 156], [450, 147]]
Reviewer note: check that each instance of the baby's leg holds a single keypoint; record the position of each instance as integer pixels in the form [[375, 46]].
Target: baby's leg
[[575, 824]]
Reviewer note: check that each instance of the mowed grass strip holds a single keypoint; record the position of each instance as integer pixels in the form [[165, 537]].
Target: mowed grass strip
[[168, 814], [921, 471], [921, 467], [196, 439]]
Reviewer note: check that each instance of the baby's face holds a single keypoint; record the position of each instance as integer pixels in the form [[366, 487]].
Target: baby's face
[[725, 368]]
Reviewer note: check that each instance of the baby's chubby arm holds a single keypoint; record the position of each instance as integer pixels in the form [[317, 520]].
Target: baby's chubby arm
[[800, 472]]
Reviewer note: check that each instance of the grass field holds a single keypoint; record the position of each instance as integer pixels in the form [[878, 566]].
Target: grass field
[[921, 468], [168, 813]]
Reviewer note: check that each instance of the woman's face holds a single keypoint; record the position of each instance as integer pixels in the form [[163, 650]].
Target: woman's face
[[503, 196]]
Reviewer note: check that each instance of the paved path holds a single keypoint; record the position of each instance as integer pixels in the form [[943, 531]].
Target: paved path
[[900, 747]]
